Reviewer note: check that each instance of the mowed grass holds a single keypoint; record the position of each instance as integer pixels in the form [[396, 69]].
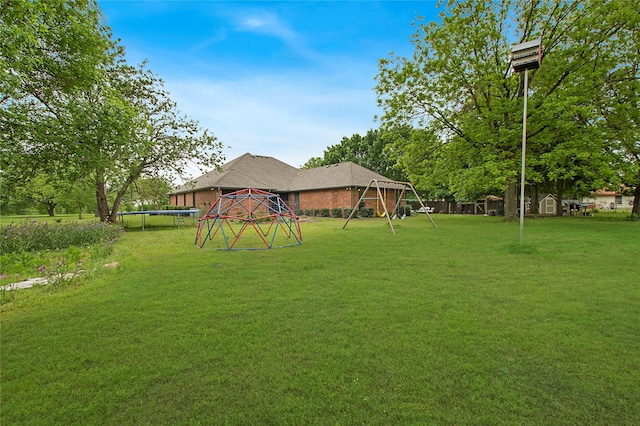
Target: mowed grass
[[455, 325]]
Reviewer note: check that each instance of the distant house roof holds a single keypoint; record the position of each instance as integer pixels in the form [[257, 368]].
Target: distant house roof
[[613, 191], [543, 196], [604, 192], [268, 173]]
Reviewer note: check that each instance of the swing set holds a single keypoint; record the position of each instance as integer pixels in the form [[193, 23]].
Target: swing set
[[381, 188]]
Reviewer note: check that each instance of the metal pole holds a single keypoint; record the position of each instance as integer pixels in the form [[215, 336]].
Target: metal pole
[[524, 154]]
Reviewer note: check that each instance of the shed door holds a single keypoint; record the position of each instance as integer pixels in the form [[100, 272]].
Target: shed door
[[550, 206]]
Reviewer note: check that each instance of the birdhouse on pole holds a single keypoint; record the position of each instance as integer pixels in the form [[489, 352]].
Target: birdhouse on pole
[[526, 56]]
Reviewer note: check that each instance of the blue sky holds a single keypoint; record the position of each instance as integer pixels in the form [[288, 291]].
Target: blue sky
[[283, 79]]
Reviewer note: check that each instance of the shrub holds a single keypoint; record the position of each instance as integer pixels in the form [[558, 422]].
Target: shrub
[[36, 236], [168, 207], [346, 212], [56, 252], [404, 210], [366, 212], [323, 212], [336, 212]]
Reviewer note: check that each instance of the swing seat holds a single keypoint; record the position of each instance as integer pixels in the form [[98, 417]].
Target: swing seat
[[383, 214]]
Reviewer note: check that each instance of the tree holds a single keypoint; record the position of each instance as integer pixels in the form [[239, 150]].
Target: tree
[[50, 46], [43, 193], [80, 197], [313, 162], [619, 100], [124, 129], [459, 85], [50, 49], [418, 152], [100, 119], [40, 192], [161, 141], [367, 151], [152, 190]]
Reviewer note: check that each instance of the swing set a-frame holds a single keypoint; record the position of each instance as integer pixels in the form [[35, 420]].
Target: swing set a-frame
[[382, 186]]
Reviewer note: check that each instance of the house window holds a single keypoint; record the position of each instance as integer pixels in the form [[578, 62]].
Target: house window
[[618, 199]]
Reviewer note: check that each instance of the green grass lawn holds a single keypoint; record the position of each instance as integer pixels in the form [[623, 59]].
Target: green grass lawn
[[455, 325]]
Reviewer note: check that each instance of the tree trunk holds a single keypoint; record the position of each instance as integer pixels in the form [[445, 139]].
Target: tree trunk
[[114, 210], [559, 191], [534, 199], [51, 209], [101, 199], [125, 187], [510, 202], [636, 200]]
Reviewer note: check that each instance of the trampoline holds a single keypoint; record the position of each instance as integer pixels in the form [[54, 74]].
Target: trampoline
[[175, 213]]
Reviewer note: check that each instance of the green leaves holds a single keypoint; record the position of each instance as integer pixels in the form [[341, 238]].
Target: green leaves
[[459, 86], [73, 108], [52, 46], [370, 151]]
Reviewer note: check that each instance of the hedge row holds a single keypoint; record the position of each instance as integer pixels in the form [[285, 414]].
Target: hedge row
[[345, 212]]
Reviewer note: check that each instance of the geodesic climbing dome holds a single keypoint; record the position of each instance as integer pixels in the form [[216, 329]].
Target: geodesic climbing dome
[[249, 219]]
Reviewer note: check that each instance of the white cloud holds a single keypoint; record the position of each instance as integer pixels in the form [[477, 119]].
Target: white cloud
[[276, 115], [267, 23]]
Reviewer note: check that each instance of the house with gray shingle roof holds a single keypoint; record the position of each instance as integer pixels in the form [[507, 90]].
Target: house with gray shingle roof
[[337, 186]]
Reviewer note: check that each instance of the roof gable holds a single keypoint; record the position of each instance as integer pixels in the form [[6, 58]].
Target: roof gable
[[268, 173], [543, 196], [246, 171]]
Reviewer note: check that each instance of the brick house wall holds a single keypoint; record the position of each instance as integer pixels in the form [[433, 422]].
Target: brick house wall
[[328, 199], [344, 198], [182, 200], [197, 199], [389, 197], [205, 199], [340, 198]]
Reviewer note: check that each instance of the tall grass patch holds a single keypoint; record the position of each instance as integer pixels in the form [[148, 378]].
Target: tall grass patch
[[57, 252], [33, 235]]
